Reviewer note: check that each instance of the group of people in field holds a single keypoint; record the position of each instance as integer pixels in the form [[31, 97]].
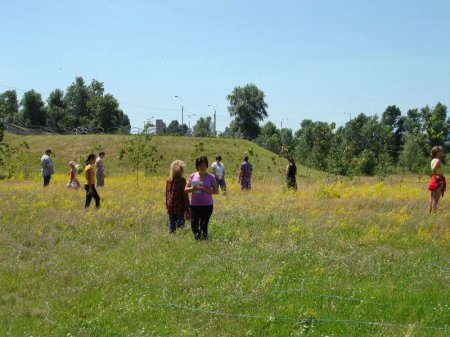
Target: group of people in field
[[202, 185], [94, 172]]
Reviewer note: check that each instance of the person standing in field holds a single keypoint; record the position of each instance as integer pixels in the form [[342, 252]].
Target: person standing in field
[[73, 181], [202, 185], [89, 173], [291, 172], [47, 168], [438, 184], [100, 169], [245, 175], [177, 201], [219, 173]]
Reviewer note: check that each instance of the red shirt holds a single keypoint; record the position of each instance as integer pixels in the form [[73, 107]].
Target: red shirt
[[176, 200]]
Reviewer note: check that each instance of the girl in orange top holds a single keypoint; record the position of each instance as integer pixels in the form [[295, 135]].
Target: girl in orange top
[[89, 173]]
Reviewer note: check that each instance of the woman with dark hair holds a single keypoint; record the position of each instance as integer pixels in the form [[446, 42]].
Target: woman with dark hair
[[291, 172], [89, 173], [202, 185]]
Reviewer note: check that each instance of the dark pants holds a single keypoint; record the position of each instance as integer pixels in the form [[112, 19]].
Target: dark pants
[[199, 220], [175, 221], [222, 184], [47, 180], [89, 196]]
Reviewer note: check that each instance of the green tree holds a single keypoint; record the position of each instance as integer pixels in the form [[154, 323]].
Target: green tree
[[9, 105], [435, 124], [96, 89], [203, 128], [105, 112], [314, 143], [391, 118], [13, 158], [76, 98], [269, 138], [412, 158], [140, 154], [2, 131], [413, 122], [248, 108], [33, 109], [175, 128], [231, 131], [56, 110]]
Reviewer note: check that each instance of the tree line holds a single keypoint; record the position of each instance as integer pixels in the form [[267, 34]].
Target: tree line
[[80, 106], [365, 145]]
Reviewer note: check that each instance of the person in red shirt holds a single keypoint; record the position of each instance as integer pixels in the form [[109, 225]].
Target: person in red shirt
[[177, 201]]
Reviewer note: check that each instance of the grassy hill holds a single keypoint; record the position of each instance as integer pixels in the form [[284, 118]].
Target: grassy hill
[[266, 164]]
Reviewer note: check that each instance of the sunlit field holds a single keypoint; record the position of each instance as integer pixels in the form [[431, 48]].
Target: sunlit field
[[355, 257]]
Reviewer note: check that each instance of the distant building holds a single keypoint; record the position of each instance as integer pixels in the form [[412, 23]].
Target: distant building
[[159, 127]]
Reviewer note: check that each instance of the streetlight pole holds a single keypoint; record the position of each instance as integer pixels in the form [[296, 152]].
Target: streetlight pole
[[189, 116], [182, 112], [214, 107]]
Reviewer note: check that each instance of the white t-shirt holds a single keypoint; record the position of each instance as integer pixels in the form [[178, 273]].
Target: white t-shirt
[[218, 169]]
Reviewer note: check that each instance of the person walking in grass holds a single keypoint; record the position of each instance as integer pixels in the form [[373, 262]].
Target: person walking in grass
[[47, 168], [89, 173], [202, 185], [73, 181], [438, 184], [100, 169], [291, 172], [245, 175], [219, 173], [177, 201]]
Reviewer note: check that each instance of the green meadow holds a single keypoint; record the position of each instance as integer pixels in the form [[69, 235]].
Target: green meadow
[[339, 257]]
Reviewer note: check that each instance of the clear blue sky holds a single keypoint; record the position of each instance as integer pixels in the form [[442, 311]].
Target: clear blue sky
[[322, 60]]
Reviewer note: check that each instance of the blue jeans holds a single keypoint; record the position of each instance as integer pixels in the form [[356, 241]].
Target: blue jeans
[[175, 221], [222, 184]]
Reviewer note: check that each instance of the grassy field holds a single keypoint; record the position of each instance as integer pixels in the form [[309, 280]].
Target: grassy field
[[74, 147], [348, 258]]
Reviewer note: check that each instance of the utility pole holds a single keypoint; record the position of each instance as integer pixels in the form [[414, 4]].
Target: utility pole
[[214, 107], [182, 112]]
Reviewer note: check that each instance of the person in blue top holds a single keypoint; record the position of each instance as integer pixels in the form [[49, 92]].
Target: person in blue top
[[47, 168]]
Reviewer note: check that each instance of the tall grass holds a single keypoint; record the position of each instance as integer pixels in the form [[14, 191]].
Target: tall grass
[[346, 258]]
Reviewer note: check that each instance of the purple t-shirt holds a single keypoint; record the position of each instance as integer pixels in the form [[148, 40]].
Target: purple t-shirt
[[200, 198]]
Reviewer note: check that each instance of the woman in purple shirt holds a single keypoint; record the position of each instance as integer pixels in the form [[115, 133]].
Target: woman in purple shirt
[[202, 185]]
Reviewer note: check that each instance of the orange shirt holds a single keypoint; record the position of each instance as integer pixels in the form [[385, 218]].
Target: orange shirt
[[89, 173]]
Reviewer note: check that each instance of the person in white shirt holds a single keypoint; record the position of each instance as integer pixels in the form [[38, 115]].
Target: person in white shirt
[[47, 167], [219, 173]]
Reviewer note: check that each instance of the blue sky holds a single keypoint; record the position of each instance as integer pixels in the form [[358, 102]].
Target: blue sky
[[320, 60]]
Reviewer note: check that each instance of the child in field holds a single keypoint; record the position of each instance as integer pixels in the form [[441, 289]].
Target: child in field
[[89, 173], [437, 184], [177, 201], [73, 181]]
